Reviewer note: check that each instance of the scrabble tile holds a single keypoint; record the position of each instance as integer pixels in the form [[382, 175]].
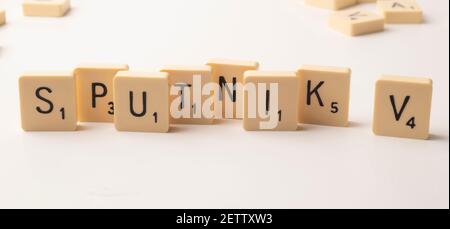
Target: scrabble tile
[[2, 17], [402, 107], [229, 74], [45, 8], [356, 22], [95, 91], [186, 99], [400, 11], [367, 1], [267, 108], [324, 95], [331, 4], [48, 101], [141, 101]]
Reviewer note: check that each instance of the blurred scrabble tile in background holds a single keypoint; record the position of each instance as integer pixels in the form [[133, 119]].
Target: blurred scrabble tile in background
[[402, 107], [141, 101], [324, 95], [400, 11], [2, 17], [265, 115], [228, 73], [45, 8], [181, 79], [48, 101], [95, 91], [356, 22], [331, 4]]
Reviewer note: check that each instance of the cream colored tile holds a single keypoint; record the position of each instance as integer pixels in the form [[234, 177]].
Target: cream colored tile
[[2, 17], [270, 108], [324, 95], [400, 11], [181, 80], [45, 8], [48, 101], [331, 4], [356, 22], [141, 101], [95, 91], [402, 107], [229, 74], [367, 1]]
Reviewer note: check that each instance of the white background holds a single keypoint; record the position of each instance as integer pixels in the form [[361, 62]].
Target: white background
[[223, 166]]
